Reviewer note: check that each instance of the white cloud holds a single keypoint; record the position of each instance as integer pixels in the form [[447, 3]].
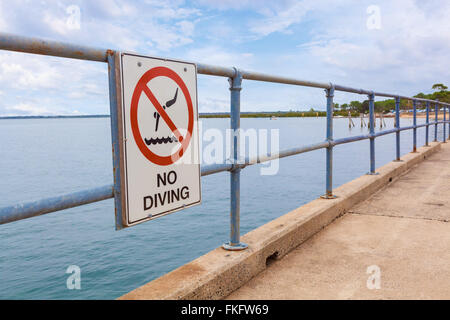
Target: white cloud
[[166, 38], [28, 109], [409, 50], [32, 72], [114, 8], [186, 27], [281, 20], [3, 23], [220, 56], [105, 23], [34, 83], [27, 73], [175, 13], [210, 104], [57, 24], [261, 6]]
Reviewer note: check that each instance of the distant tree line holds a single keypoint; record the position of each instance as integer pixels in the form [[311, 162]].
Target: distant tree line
[[278, 114], [355, 107]]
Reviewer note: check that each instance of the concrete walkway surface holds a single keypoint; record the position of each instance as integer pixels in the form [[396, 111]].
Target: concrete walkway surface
[[394, 245]]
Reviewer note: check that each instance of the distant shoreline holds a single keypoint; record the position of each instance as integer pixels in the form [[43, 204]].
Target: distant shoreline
[[267, 114], [56, 117], [277, 114]]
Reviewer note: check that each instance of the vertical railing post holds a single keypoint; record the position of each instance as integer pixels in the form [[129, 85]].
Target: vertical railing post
[[329, 160], [428, 125], [114, 103], [397, 126], [449, 123], [371, 133], [436, 110], [235, 91], [444, 127], [415, 126]]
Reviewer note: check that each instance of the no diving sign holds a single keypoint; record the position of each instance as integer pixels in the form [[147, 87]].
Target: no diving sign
[[160, 169]]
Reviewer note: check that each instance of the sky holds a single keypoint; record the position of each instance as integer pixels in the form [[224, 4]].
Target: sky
[[400, 47]]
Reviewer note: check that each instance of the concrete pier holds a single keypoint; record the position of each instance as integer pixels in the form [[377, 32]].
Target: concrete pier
[[401, 233], [393, 225]]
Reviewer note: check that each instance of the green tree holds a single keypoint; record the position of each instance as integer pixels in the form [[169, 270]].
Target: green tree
[[385, 106], [365, 106], [439, 86], [441, 93], [356, 106], [420, 95]]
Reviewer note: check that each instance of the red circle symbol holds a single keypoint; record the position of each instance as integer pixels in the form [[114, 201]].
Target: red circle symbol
[[142, 87]]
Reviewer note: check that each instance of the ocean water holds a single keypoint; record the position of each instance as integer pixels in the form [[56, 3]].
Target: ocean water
[[46, 157]]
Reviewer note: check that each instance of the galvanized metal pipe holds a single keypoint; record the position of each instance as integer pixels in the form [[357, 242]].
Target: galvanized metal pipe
[[351, 139], [428, 124], [407, 128], [444, 134], [215, 70], [421, 125], [114, 97], [284, 153], [43, 206], [250, 75], [321, 145], [397, 125], [448, 123], [352, 90], [329, 156], [215, 168], [414, 124], [235, 91], [435, 122], [51, 48], [372, 132], [436, 110], [429, 100], [385, 132], [256, 76], [71, 200]]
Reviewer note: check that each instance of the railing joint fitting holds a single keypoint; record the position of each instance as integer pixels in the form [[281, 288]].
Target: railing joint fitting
[[236, 81], [330, 91], [330, 142], [235, 165]]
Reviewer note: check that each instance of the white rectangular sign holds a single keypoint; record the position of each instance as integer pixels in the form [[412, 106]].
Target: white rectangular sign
[[160, 147]]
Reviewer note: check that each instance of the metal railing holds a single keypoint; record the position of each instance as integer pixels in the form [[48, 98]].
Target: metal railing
[[236, 76]]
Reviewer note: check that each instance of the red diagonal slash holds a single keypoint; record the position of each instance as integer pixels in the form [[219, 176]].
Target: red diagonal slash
[[162, 112]]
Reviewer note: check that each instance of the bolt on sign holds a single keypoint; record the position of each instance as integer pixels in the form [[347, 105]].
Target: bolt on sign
[[160, 163]]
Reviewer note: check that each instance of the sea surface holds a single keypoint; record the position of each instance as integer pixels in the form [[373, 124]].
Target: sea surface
[[46, 157]]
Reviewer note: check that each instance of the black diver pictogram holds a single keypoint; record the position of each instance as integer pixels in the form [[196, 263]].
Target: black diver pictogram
[[156, 115]]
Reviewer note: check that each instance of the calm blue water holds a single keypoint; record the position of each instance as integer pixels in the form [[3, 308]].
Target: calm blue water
[[45, 157]]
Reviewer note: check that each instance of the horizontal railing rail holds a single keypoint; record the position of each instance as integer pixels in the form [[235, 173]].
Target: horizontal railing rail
[[236, 76]]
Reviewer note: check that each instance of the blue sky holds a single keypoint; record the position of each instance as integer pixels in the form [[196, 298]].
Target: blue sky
[[326, 41]]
